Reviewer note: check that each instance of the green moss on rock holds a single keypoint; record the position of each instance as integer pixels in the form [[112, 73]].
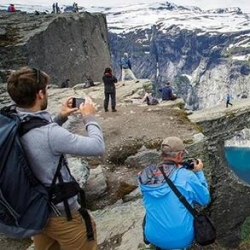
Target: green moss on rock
[[124, 189], [245, 231]]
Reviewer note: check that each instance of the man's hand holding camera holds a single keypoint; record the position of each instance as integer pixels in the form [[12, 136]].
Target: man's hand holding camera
[[85, 108], [193, 164], [66, 108], [198, 165]]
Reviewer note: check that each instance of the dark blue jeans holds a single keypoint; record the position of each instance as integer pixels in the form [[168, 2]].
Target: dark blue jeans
[[113, 100]]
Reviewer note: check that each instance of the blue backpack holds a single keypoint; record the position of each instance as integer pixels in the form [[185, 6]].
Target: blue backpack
[[22, 196], [25, 203]]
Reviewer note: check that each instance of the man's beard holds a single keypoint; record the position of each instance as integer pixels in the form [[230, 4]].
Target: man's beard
[[44, 104]]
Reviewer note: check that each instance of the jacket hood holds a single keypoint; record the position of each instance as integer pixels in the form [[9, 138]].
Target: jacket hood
[[152, 182], [23, 113], [156, 191]]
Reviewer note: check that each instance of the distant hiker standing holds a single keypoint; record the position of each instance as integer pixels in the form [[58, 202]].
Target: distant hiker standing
[[57, 9], [75, 7], [228, 98], [125, 65], [109, 89], [54, 8]]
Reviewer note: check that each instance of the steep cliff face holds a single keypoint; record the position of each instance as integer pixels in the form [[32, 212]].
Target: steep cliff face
[[230, 195], [73, 46], [202, 68], [199, 52]]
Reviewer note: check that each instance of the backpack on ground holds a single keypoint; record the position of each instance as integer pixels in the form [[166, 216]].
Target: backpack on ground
[[25, 203], [150, 100], [154, 101]]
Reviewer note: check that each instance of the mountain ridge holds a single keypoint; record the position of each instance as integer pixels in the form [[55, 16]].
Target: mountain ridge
[[117, 16], [205, 54]]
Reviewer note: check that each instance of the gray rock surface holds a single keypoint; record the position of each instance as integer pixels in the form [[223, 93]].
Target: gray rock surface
[[230, 196], [97, 184], [142, 158], [69, 45]]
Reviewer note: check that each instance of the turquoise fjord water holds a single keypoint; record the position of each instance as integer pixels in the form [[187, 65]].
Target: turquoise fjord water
[[238, 159]]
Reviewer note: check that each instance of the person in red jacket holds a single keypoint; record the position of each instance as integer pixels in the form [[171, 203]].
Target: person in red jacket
[[109, 89], [11, 8]]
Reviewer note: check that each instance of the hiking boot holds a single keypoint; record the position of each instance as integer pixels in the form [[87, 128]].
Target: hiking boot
[[114, 110], [137, 81], [106, 110]]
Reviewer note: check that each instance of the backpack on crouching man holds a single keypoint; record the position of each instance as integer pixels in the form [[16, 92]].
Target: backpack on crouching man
[[25, 203]]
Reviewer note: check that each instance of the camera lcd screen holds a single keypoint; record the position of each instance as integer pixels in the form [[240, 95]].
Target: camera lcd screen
[[76, 102]]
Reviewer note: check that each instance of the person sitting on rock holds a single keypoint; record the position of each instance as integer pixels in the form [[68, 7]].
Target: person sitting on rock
[[11, 8], [150, 99], [88, 83], [167, 92], [65, 84]]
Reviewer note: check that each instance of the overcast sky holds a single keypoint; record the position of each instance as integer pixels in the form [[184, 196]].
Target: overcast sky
[[203, 4]]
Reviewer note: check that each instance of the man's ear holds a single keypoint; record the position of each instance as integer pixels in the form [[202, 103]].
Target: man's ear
[[40, 94], [179, 156]]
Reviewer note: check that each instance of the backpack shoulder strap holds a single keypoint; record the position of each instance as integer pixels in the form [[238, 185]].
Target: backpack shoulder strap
[[31, 123], [27, 124], [82, 200]]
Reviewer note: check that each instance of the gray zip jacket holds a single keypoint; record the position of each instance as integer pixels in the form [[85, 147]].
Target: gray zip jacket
[[44, 146]]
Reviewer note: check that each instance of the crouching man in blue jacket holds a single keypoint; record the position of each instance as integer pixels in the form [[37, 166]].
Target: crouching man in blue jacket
[[168, 224]]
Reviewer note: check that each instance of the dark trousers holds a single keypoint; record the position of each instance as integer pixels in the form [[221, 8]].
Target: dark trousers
[[228, 103], [106, 100]]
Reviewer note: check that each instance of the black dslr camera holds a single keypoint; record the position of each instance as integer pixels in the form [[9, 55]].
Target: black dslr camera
[[190, 163]]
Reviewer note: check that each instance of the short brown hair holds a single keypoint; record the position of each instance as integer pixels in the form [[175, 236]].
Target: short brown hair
[[24, 84]]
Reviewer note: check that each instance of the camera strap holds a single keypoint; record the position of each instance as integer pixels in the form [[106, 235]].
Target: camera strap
[[168, 162], [178, 193]]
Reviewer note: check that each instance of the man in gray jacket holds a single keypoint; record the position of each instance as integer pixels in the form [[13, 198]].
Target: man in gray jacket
[[44, 146]]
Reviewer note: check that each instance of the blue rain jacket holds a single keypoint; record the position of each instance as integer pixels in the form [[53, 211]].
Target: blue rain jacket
[[168, 223]]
